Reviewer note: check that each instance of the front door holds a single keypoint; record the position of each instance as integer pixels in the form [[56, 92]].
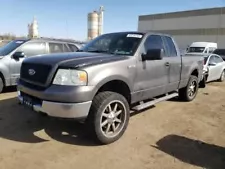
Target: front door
[[213, 69], [15, 65], [219, 66], [29, 49], [152, 75]]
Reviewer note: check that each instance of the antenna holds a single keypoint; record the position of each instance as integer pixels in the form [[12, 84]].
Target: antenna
[[100, 20]]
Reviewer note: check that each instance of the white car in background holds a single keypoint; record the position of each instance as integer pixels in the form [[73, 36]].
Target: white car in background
[[202, 47], [215, 66]]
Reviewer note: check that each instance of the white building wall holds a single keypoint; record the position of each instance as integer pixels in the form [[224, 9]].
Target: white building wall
[[208, 23], [197, 22]]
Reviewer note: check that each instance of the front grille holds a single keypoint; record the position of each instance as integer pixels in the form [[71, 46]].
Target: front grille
[[41, 72], [32, 86]]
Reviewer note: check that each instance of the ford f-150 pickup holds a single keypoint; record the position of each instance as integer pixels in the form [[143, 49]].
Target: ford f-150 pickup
[[110, 77]]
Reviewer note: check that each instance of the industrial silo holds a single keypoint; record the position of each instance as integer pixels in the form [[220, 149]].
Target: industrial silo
[[93, 25]]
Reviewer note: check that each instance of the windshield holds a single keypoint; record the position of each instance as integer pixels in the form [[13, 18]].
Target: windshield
[[9, 47], [196, 49], [114, 43]]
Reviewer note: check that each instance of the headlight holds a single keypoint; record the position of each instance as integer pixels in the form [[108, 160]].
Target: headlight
[[70, 77]]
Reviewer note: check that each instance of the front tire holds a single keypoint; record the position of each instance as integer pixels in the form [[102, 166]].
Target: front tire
[[222, 76], [1, 85], [108, 117], [189, 92]]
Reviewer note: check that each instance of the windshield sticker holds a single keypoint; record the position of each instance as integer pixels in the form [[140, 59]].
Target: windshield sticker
[[19, 42], [134, 36]]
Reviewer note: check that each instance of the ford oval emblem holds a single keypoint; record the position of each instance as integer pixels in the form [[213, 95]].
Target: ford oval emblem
[[31, 72]]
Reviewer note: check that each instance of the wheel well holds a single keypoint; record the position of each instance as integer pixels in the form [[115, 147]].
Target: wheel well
[[195, 73], [3, 79], [117, 86]]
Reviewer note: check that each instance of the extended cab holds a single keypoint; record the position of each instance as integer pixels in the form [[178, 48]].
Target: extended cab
[[110, 76]]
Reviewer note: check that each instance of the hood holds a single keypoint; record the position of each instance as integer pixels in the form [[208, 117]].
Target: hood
[[74, 60]]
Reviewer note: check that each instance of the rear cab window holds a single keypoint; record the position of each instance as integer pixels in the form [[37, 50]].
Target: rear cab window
[[170, 46]]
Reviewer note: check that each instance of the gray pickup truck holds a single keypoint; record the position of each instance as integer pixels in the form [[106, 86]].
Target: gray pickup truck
[[107, 79]]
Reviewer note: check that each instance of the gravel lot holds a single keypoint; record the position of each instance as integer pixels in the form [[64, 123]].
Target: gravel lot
[[172, 135]]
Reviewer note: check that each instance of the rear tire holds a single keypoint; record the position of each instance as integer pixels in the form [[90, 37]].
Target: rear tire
[[108, 117], [202, 84], [222, 76], [189, 92], [1, 85]]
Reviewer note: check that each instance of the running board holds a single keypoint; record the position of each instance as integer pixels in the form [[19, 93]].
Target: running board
[[153, 102]]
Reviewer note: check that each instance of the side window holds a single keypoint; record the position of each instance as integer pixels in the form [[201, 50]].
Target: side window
[[153, 42], [73, 48], [33, 48], [66, 48], [212, 59], [55, 48], [170, 47], [218, 59]]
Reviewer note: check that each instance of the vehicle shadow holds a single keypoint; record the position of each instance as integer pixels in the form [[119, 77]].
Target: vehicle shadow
[[193, 152], [20, 124], [10, 89]]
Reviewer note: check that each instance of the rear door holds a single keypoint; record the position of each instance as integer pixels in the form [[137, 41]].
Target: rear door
[[173, 64], [66, 48], [72, 47], [55, 47]]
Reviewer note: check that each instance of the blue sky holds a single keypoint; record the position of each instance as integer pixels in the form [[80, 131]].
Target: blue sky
[[68, 18]]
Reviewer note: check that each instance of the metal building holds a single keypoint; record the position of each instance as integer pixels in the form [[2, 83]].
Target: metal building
[[95, 23], [205, 25]]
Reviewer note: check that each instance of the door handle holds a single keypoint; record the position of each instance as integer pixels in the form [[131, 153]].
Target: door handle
[[167, 64]]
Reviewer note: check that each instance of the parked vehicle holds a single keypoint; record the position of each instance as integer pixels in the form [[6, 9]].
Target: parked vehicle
[[13, 53], [108, 77], [203, 80], [202, 47], [220, 52], [216, 66]]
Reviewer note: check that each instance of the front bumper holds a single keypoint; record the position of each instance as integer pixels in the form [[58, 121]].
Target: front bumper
[[58, 109]]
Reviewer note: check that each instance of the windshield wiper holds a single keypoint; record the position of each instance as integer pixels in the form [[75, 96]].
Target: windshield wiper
[[98, 51]]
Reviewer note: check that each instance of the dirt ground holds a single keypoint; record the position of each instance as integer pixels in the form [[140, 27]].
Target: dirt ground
[[172, 135]]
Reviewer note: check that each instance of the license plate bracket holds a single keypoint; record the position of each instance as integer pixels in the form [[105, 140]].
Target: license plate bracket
[[28, 102]]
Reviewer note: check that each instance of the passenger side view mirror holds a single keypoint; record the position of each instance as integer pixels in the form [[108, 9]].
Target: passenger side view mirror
[[212, 64], [153, 54], [18, 55]]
